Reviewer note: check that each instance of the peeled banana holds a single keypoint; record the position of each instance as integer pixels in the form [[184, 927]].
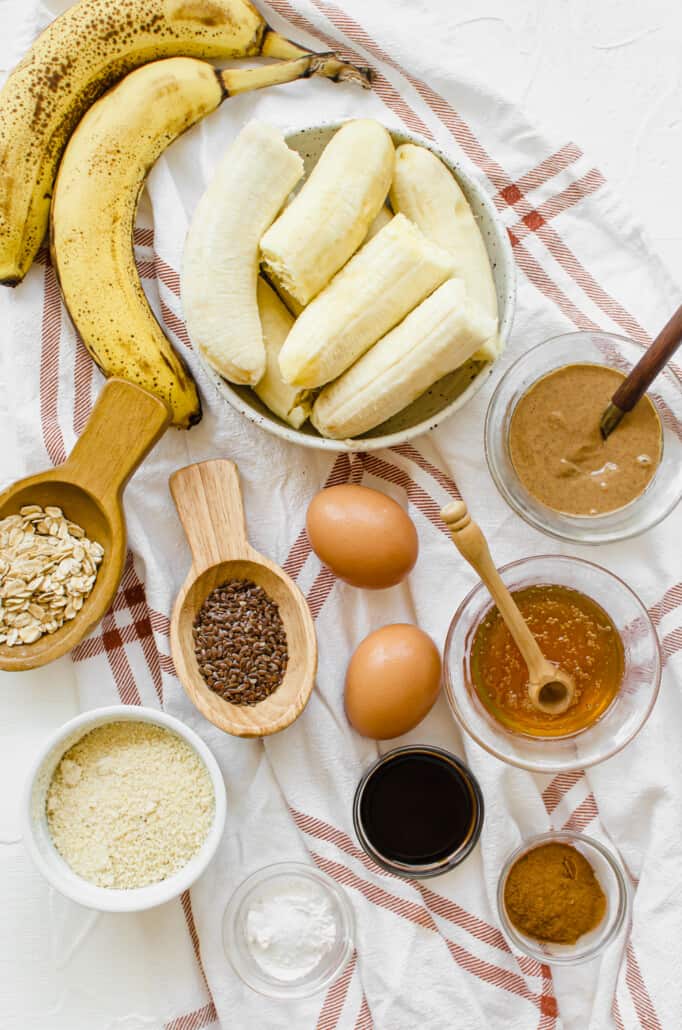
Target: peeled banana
[[78, 57], [294, 306], [291, 305], [382, 282], [434, 339], [383, 218], [100, 178], [329, 218], [289, 403], [220, 264], [426, 192]]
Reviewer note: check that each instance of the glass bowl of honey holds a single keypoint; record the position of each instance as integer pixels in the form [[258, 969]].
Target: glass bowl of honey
[[590, 624], [563, 897], [546, 454]]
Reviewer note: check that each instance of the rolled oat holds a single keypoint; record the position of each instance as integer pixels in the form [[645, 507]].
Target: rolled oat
[[48, 568]]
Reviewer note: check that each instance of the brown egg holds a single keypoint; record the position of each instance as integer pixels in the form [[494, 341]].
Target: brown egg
[[364, 537], [392, 681]]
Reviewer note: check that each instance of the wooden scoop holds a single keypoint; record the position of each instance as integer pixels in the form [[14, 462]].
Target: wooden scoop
[[633, 388], [209, 503], [125, 424], [551, 690]]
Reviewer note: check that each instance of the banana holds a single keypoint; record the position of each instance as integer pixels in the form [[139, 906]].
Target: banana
[[295, 307], [382, 282], [328, 219], [76, 59], [220, 264], [100, 179], [434, 339], [287, 402], [426, 192], [382, 219], [291, 304]]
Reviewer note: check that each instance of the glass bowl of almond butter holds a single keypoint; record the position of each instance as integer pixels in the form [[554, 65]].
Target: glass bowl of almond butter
[[546, 454]]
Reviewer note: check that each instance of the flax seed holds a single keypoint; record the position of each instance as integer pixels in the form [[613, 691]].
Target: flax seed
[[240, 642]]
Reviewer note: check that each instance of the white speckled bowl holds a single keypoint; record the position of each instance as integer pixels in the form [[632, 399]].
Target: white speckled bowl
[[448, 394], [37, 837]]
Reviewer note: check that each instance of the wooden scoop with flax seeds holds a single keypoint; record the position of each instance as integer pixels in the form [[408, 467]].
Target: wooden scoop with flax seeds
[[209, 503]]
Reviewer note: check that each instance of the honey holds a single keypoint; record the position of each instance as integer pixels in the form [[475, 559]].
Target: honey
[[575, 633]]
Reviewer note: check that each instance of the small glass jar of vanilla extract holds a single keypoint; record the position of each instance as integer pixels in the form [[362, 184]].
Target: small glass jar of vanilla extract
[[418, 811]]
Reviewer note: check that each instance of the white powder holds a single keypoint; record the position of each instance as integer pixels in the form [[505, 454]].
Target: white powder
[[290, 927]]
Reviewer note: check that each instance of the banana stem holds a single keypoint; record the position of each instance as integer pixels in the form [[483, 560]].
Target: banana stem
[[274, 45], [329, 66]]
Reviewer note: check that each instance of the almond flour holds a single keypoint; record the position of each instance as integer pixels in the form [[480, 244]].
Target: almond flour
[[129, 805]]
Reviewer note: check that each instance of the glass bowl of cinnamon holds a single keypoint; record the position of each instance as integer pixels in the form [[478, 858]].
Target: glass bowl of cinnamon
[[546, 454], [563, 897], [589, 623]]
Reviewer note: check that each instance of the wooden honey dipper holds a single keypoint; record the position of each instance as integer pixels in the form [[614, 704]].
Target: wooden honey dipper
[[550, 689]]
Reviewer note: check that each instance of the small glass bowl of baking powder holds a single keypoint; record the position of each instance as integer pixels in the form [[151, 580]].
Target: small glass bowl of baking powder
[[288, 930]]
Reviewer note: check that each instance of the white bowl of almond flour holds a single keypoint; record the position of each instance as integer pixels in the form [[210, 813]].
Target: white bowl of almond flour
[[124, 809]]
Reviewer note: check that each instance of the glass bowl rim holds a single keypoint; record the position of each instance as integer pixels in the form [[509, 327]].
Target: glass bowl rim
[[531, 766], [615, 864], [565, 530], [405, 870], [259, 982]]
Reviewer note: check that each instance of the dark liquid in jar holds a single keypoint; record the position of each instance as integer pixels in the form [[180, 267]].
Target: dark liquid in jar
[[417, 809]]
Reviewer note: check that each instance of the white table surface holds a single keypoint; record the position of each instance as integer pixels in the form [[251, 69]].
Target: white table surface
[[604, 73]]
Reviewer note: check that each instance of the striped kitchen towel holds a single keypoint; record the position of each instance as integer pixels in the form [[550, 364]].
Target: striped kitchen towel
[[428, 955]]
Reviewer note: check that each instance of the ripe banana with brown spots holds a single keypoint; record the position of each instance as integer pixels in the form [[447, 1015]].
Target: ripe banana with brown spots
[[74, 61], [100, 178]]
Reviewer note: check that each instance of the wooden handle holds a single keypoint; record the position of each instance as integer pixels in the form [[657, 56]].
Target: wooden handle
[[468, 538], [125, 423], [650, 364], [209, 502]]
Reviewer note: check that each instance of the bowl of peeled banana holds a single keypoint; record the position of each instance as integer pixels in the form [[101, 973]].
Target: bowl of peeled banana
[[347, 286]]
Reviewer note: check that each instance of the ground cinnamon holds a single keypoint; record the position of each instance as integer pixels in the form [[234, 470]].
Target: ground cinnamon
[[552, 894]]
